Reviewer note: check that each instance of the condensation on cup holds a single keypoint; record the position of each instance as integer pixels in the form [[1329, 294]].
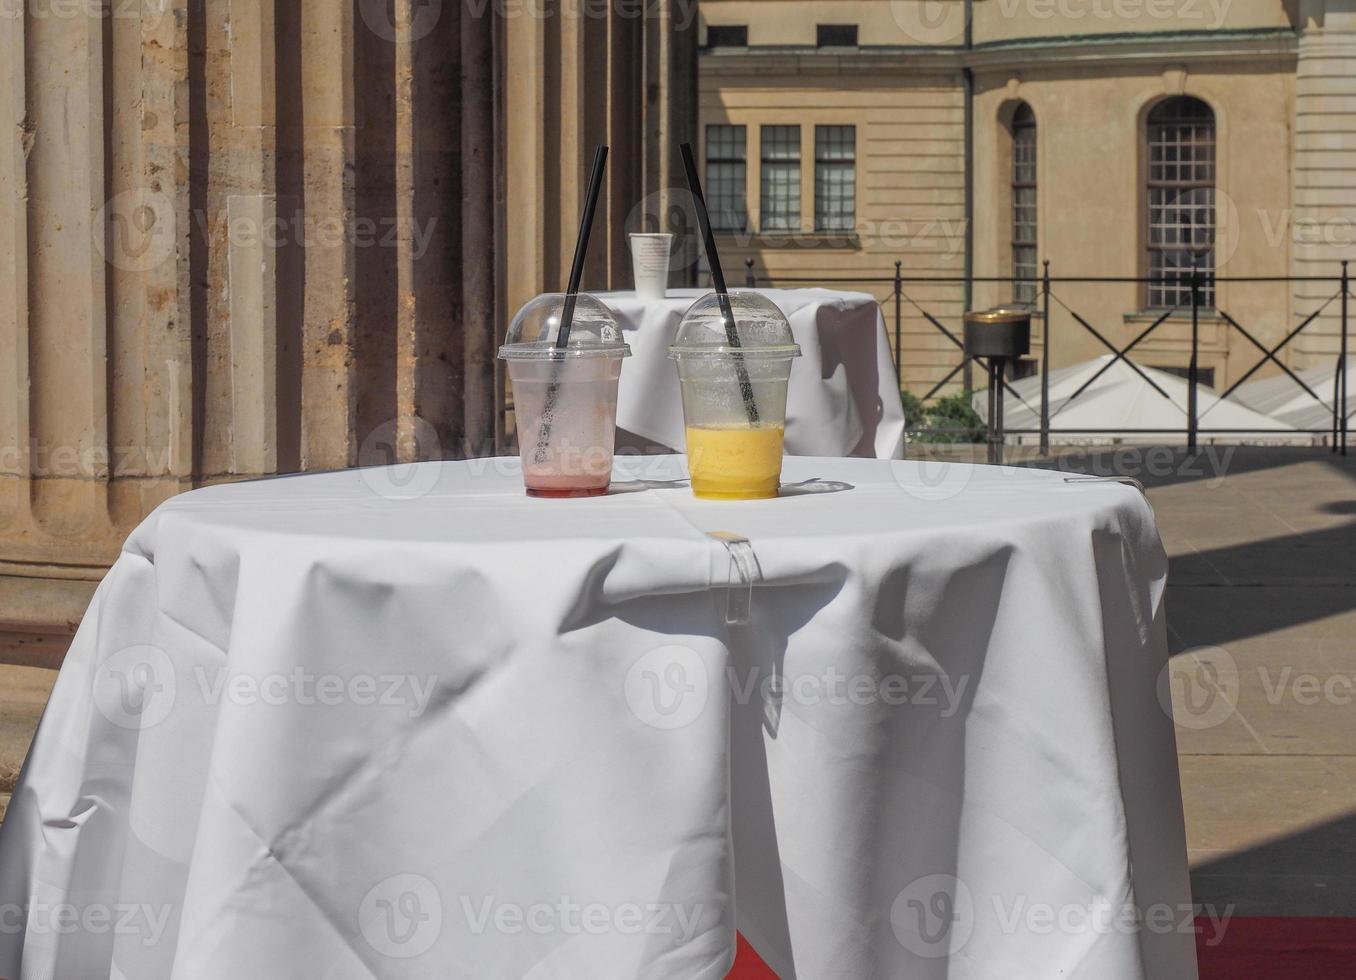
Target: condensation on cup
[[565, 399]]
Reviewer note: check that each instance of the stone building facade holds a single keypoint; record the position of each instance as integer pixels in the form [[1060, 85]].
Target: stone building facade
[[943, 95], [248, 237]]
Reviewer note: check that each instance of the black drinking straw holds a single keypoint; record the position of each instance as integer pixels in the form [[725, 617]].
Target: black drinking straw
[[581, 248], [581, 245], [718, 280]]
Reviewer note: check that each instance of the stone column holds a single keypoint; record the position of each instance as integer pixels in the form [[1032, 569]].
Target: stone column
[[246, 237], [1323, 225], [579, 79]]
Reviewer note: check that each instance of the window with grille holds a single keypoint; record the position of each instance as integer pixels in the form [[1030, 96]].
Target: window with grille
[[780, 203], [835, 178], [836, 35], [726, 169], [1181, 198], [1024, 272]]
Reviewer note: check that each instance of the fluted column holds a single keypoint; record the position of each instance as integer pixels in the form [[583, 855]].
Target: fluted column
[[246, 237], [68, 328], [14, 373], [482, 187], [328, 162], [577, 80]]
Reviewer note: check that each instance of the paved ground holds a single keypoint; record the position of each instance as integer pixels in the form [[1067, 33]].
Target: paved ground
[[1262, 620], [1262, 607]]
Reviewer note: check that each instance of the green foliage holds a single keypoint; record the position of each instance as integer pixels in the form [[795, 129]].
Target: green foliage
[[955, 413], [949, 419], [915, 415]]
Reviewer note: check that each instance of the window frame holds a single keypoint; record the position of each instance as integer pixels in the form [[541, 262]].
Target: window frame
[[1023, 175], [789, 214], [822, 29], [713, 30], [1171, 140], [849, 165], [714, 188]]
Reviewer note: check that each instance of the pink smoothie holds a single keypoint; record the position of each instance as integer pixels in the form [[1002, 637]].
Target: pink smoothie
[[546, 482]]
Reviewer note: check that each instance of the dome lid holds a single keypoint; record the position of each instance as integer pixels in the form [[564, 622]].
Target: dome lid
[[760, 328], [594, 329]]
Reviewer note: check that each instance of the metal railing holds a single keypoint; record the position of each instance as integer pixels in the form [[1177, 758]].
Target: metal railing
[[1047, 294]]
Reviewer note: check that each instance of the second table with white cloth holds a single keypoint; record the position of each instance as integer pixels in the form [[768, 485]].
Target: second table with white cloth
[[843, 399], [407, 722]]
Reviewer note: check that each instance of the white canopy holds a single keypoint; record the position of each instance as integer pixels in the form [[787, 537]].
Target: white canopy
[[1128, 407], [1282, 399]]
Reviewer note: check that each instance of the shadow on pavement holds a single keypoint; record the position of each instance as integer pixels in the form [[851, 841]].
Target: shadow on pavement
[[1230, 593], [1310, 873]]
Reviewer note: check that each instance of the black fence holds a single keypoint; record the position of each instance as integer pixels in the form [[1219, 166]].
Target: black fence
[[1198, 284]]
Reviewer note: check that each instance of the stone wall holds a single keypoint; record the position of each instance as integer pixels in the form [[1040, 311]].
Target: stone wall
[[931, 94], [246, 237], [1323, 226]]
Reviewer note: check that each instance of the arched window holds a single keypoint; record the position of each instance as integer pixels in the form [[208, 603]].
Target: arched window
[[1181, 198], [1024, 204]]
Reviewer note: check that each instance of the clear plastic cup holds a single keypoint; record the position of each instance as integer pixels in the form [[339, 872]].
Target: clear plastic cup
[[734, 395], [565, 399]]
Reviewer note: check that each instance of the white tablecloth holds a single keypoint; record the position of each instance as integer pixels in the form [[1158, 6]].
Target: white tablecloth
[[410, 723], [843, 399]]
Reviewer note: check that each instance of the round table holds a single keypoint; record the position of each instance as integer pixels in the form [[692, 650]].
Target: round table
[[902, 721], [843, 399]]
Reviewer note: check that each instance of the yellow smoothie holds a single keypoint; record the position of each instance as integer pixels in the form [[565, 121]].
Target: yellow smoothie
[[736, 463]]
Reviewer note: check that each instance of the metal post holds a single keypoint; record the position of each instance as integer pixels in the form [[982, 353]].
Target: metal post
[[899, 314], [1045, 361], [1343, 424], [995, 453], [1336, 404], [990, 420], [750, 279], [1192, 367], [999, 365]]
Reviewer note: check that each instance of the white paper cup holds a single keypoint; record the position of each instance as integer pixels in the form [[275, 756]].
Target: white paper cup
[[650, 263]]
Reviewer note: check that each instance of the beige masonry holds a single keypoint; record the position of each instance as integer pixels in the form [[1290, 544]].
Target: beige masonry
[[1092, 208], [1324, 216], [1275, 75], [245, 237], [910, 178]]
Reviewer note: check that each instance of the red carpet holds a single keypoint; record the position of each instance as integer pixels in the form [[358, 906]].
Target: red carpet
[[1252, 949], [1281, 949], [748, 966]]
